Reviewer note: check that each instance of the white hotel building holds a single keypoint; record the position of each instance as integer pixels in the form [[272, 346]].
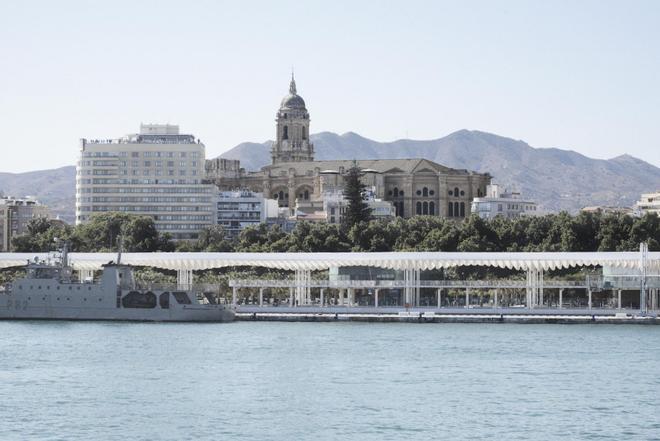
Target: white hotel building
[[157, 173], [500, 202]]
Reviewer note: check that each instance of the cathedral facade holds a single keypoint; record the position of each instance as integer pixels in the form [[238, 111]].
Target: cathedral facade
[[295, 179]]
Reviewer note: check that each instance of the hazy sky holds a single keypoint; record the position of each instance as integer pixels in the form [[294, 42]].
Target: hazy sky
[[582, 75]]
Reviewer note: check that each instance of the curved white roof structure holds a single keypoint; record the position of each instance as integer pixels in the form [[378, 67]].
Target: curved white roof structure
[[321, 261]]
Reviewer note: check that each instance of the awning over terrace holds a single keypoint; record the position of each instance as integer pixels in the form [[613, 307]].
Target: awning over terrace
[[322, 261]]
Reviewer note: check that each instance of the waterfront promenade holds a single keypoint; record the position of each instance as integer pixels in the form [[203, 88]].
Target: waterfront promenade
[[624, 283]]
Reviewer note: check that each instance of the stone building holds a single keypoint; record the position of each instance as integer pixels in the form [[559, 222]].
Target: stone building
[[413, 186]]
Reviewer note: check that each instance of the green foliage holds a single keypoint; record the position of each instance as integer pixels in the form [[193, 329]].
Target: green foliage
[[102, 234], [41, 236], [211, 239], [554, 232], [358, 210]]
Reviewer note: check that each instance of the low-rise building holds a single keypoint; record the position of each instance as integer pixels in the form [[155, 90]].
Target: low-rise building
[[331, 206], [15, 214], [500, 202], [237, 210], [648, 203]]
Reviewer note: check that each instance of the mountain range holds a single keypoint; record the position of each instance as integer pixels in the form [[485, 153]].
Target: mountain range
[[557, 179]]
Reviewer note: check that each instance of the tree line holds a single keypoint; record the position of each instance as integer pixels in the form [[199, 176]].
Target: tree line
[[553, 232]]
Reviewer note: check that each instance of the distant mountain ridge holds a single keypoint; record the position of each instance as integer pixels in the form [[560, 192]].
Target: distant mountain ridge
[[556, 178], [55, 188]]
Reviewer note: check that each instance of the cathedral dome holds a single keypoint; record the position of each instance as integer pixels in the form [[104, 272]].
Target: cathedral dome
[[292, 100]]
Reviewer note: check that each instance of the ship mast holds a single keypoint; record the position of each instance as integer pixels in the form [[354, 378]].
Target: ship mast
[[121, 246]]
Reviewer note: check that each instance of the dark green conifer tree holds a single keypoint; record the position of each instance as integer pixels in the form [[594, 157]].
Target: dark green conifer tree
[[357, 210]]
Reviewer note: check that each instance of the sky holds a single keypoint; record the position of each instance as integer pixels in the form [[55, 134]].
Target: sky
[[580, 75]]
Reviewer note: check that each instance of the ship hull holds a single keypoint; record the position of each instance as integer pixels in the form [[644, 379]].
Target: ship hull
[[94, 307]]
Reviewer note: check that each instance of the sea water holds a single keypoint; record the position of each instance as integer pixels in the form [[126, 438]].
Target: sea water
[[328, 381]]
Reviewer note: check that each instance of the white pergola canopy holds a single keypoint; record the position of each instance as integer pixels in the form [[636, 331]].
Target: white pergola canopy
[[323, 261]]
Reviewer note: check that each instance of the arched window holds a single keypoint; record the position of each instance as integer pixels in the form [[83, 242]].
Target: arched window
[[418, 208], [306, 195], [304, 132], [280, 195], [456, 191], [450, 211], [396, 192], [432, 208], [425, 209], [462, 209], [400, 212], [456, 209], [425, 192], [285, 132]]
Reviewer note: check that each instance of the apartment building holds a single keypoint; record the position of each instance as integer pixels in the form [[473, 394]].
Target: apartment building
[[157, 172]]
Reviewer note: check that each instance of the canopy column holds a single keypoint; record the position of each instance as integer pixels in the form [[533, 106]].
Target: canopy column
[[321, 299], [234, 295], [85, 274], [618, 300], [496, 300], [376, 292], [561, 297], [303, 281], [184, 279], [467, 297], [438, 293], [534, 288], [261, 297], [589, 298]]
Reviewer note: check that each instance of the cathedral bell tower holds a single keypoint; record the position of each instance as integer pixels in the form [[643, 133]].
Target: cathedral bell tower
[[292, 140]]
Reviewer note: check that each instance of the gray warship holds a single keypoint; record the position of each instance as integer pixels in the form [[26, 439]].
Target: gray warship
[[48, 291]]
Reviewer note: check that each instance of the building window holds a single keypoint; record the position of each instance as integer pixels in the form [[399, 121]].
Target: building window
[[306, 195], [396, 192], [425, 192], [304, 133], [462, 209], [425, 208], [419, 192], [400, 211], [418, 208], [451, 193], [456, 191], [285, 132], [432, 208], [462, 193], [450, 209], [457, 209], [431, 192]]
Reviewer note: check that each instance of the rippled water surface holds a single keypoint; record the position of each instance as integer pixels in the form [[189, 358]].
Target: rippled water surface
[[328, 381]]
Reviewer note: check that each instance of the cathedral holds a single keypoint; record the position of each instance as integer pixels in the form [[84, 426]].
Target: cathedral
[[414, 186]]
